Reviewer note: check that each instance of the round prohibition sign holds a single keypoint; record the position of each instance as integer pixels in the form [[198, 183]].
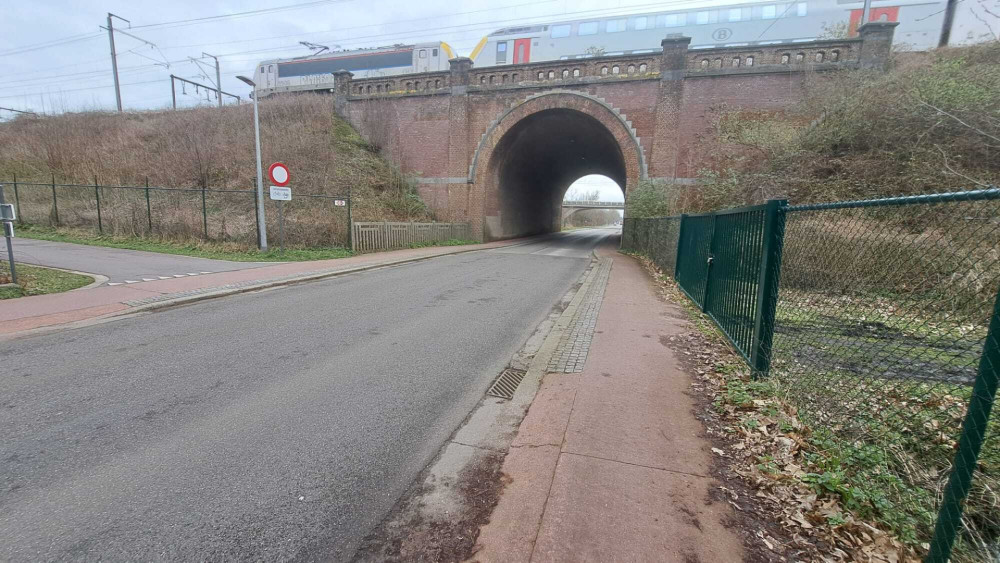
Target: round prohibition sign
[[279, 174]]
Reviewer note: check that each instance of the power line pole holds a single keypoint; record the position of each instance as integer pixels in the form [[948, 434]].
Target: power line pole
[[114, 59], [949, 18], [218, 77], [866, 13]]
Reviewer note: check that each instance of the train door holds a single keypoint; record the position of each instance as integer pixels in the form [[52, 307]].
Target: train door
[[271, 75], [423, 60], [522, 51]]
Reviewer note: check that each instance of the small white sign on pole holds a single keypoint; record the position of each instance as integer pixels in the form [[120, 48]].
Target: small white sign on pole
[[281, 194]]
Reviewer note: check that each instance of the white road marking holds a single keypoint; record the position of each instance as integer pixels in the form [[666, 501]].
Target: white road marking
[[178, 276], [131, 281], [148, 279], [190, 274], [163, 277], [206, 272]]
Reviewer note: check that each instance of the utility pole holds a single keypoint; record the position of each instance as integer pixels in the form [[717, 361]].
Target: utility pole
[[114, 58], [949, 18], [218, 77], [866, 13]]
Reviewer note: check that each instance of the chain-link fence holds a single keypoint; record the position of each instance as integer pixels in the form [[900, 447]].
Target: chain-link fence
[[885, 328], [220, 215]]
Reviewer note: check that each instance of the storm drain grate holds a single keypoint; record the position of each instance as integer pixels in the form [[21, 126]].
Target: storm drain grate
[[507, 383]]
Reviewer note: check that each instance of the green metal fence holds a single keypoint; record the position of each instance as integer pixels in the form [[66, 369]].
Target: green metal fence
[[882, 332], [222, 215]]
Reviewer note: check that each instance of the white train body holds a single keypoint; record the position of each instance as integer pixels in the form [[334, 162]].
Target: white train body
[[717, 26], [316, 73]]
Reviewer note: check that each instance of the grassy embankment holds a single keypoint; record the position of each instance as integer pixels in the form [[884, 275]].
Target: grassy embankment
[[203, 147]]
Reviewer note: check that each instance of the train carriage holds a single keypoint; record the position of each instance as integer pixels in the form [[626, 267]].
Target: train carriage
[[758, 23], [315, 73]]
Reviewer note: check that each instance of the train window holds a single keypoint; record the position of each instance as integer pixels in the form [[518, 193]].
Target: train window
[[801, 9], [587, 28], [674, 20], [262, 70], [434, 52], [735, 14], [701, 18], [614, 26], [560, 30], [501, 52], [639, 23], [769, 12], [423, 53]]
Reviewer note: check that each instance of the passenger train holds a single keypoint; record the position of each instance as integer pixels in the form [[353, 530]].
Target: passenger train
[[756, 23]]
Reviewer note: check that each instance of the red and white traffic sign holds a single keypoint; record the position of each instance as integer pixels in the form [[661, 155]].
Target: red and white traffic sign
[[279, 174]]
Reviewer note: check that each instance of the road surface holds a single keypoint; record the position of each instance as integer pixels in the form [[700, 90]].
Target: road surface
[[119, 265], [276, 425]]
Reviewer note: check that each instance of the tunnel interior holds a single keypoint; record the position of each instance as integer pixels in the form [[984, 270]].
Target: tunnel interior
[[537, 160]]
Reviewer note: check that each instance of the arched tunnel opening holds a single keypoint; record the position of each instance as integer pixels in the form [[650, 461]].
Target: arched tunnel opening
[[537, 160]]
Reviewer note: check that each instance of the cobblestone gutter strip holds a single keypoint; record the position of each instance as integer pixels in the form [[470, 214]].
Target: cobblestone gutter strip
[[574, 345]]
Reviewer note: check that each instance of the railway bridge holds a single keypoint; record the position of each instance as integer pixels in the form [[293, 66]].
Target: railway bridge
[[499, 146]]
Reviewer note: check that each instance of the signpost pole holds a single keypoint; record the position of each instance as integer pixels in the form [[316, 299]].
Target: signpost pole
[[10, 247], [281, 225], [350, 222]]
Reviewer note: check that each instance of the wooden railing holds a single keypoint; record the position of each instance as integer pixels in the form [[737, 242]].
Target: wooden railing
[[372, 236]]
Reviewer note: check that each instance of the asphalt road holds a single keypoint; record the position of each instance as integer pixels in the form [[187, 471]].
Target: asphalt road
[[119, 265], [276, 425]]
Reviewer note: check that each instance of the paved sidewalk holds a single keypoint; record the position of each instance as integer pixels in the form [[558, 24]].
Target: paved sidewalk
[[27, 313], [610, 464]]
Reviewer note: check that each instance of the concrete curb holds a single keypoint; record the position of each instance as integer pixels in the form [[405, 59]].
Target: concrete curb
[[291, 281]]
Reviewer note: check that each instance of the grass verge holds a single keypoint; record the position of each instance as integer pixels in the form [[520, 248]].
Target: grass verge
[[218, 251], [35, 280]]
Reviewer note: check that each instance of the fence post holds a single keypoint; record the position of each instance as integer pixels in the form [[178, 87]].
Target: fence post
[[55, 203], [984, 391], [680, 240], [149, 211], [97, 195], [204, 213], [767, 285], [708, 267], [17, 202]]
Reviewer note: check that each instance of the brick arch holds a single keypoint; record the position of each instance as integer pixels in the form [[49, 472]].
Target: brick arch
[[612, 119]]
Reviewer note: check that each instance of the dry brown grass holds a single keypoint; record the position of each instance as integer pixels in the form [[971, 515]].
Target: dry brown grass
[[205, 147]]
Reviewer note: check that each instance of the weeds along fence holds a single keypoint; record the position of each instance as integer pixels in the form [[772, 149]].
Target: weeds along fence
[[374, 236], [220, 215], [880, 321]]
